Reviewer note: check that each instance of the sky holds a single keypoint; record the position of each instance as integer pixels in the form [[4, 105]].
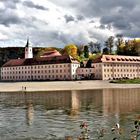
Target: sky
[[57, 23]]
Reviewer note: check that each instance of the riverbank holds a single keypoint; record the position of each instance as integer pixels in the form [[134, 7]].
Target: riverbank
[[61, 85], [126, 81]]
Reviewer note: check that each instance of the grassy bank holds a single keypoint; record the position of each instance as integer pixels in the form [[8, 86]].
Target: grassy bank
[[126, 81]]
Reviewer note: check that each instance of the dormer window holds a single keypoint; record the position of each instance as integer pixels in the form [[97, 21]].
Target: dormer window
[[107, 58], [113, 59]]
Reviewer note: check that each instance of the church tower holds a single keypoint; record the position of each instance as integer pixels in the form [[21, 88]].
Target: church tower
[[28, 50]]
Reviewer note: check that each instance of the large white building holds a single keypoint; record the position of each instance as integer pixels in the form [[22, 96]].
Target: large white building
[[109, 67], [54, 67]]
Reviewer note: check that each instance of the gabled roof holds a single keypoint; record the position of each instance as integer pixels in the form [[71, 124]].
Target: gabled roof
[[40, 61], [14, 62], [117, 58], [51, 54]]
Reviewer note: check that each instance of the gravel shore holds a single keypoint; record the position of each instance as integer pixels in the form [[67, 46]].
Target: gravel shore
[[61, 85]]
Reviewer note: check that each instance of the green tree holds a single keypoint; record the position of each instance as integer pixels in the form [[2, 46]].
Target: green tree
[[119, 44], [80, 49], [105, 50], [86, 51]]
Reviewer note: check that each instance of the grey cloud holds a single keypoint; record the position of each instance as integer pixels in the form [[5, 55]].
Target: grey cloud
[[118, 21], [12, 4], [69, 18], [80, 17], [32, 5], [102, 26], [118, 14], [9, 17], [92, 21]]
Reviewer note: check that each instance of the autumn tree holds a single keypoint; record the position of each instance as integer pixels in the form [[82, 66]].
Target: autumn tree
[[71, 49]]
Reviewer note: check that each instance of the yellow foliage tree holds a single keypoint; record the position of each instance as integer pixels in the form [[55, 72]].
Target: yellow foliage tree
[[71, 49]]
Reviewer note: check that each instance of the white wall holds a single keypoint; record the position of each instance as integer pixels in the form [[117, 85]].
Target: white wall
[[73, 68], [38, 72]]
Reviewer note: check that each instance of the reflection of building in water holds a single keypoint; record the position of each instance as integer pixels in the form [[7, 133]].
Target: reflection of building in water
[[120, 100], [30, 113], [75, 102], [108, 100]]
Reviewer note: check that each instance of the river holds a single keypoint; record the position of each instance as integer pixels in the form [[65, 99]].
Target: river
[[56, 115]]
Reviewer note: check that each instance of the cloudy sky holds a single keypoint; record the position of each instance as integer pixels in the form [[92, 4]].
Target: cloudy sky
[[60, 22]]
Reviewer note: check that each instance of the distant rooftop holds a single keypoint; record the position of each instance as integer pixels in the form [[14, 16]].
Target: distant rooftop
[[40, 61], [51, 54], [117, 58]]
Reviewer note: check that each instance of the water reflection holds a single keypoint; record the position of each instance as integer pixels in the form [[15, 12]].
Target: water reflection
[[57, 114], [121, 100], [110, 100], [30, 113]]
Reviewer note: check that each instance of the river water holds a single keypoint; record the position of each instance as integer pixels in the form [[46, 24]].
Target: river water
[[58, 114]]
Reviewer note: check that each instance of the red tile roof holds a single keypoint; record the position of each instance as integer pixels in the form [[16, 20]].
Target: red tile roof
[[51, 54], [117, 58], [40, 61]]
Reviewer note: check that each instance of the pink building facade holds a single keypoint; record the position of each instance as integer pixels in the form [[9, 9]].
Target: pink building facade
[[85, 73], [52, 68], [109, 67]]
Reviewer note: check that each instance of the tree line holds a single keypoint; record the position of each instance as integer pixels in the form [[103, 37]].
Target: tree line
[[120, 46], [113, 45]]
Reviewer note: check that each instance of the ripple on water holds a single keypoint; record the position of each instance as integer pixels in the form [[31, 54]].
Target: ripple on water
[[52, 116]]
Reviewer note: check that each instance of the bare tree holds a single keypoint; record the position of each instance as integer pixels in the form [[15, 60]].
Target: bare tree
[[94, 47], [110, 44]]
